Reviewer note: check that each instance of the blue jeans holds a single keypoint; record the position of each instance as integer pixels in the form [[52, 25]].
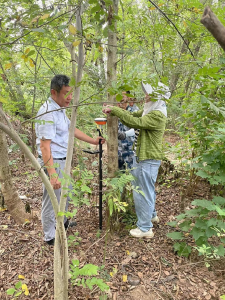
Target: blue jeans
[[145, 173]]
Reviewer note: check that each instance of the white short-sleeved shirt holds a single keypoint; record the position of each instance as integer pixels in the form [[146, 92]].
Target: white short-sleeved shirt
[[54, 126]]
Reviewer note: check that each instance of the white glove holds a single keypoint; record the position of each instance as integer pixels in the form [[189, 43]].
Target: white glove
[[130, 132]]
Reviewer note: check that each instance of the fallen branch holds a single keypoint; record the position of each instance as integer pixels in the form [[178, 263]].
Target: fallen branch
[[96, 242]]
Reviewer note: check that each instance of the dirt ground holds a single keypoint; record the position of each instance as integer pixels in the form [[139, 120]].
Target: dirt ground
[[135, 269]]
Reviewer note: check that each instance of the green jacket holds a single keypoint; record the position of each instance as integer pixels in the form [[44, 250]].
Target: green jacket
[[152, 127]]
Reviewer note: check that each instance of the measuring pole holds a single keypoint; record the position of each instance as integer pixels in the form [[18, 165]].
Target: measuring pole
[[100, 122], [100, 181]]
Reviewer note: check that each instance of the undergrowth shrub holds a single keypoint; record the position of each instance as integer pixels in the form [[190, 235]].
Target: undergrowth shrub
[[204, 224]]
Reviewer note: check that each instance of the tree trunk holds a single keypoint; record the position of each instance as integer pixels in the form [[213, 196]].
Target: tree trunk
[[214, 26], [61, 261], [34, 99], [16, 96], [11, 198], [178, 70], [112, 122], [10, 88], [21, 102]]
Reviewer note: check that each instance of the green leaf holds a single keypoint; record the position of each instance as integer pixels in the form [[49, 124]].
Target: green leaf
[[85, 188], [202, 174], [210, 232], [220, 250], [3, 100], [61, 213], [18, 293], [95, 9], [182, 249], [119, 97], [181, 217], [176, 247], [105, 31], [204, 203], [11, 291], [75, 262], [172, 223], [197, 233], [31, 53], [185, 226], [196, 212], [62, 27], [111, 206], [220, 211], [175, 235], [38, 30], [18, 285], [89, 270], [212, 222], [201, 223], [72, 81]]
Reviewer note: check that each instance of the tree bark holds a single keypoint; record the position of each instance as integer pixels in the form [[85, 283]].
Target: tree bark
[[15, 137], [112, 122], [16, 95], [61, 261], [214, 26], [11, 198]]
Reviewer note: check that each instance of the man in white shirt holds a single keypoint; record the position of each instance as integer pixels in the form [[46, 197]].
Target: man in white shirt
[[52, 142]]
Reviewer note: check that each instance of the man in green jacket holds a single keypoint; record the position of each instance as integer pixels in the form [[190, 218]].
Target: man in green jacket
[[149, 125]]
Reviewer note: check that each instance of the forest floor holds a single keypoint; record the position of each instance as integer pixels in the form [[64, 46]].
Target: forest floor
[[153, 270]]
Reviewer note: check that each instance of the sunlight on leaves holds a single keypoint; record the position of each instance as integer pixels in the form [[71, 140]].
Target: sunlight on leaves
[[72, 29], [76, 43], [45, 16], [27, 50], [8, 66], [3, 100], [31, 63]]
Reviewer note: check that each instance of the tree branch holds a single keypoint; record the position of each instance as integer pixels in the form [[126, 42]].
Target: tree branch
[[214, 26], [156, 6]]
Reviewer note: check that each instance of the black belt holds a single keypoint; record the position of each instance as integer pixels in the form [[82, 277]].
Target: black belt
[[63, 158]]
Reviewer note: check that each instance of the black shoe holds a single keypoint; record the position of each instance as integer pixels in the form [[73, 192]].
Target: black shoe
[[69, 224], [51, 242]]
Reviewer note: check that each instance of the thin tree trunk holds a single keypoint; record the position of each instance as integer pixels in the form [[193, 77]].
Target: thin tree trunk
[[123, 42], [178, 70], [61, 262], [11, 198], [112, 122], [15, 137], [61, 234], [34, 98], [10, 88], [21, 102], [16, 95]]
